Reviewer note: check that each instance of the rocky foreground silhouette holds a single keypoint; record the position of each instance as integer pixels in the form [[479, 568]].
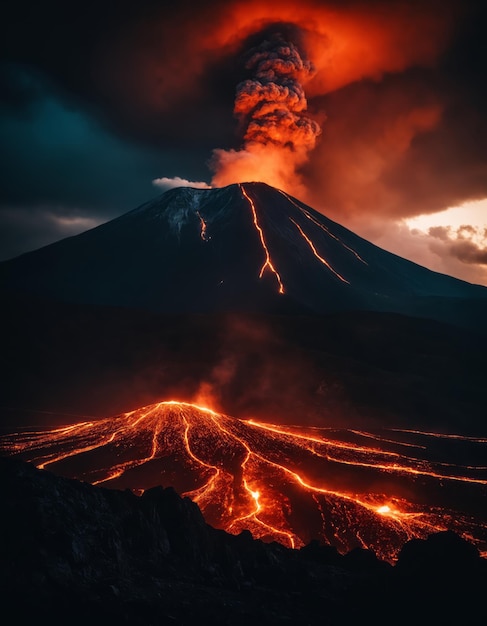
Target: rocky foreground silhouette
[[71, 553]]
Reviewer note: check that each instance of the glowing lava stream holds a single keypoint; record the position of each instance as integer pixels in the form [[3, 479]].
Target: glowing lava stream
[[323, 227], [267, 263], [281, 485], [390, 467], [317, 255], [203, 229]]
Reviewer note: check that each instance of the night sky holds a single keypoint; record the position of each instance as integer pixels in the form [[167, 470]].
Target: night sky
[[104, 105]]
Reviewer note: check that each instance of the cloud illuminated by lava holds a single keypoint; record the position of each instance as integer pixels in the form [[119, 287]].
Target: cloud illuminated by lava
[[343, 47], [399, 134], [271, 107], [176, 61]]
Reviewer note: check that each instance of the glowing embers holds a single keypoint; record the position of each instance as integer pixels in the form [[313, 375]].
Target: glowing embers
[[282, 483], [268, 262]]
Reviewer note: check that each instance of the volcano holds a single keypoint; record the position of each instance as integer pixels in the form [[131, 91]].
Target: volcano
[[347, 488], [333, 393], [243, 248]]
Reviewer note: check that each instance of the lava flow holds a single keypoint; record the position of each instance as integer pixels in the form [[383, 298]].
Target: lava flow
[[268, 262], [323, 227], [347, 488], [316, 253]]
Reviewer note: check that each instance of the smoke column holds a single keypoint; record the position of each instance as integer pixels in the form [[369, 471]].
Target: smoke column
[[271, 109]]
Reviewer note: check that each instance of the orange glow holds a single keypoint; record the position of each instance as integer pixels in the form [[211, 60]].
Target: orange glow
[[281, 483], [323, 227], [274, 165], [317, 255], [203, 229], [267, 263], [346, 44], [169, 64]]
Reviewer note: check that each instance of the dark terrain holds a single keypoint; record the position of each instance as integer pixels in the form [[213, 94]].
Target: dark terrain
[[344, 370], [77, 554]]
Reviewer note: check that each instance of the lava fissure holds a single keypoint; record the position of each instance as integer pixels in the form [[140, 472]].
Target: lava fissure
[[198, 494]]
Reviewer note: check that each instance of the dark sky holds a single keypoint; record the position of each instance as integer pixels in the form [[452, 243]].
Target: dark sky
[[98, 100]]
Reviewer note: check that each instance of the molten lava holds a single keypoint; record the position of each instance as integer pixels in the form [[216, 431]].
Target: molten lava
[[315, 252], [203, 227], [281, 483], [323, 227], [268, 262]]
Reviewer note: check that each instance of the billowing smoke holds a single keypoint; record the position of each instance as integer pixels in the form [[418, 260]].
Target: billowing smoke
[[272, 104], [271, 108]]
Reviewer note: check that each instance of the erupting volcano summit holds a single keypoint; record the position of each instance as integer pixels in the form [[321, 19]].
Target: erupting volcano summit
[[245, 247]]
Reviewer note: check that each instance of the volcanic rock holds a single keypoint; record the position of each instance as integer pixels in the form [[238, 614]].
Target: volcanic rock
[[74, 553]]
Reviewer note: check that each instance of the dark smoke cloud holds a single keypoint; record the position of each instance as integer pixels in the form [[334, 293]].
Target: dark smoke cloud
[[258, 372], [271, 107], [272, 104]]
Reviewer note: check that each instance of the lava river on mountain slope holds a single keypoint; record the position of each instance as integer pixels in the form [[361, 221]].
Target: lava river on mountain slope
[[347, 488], [269, 264]]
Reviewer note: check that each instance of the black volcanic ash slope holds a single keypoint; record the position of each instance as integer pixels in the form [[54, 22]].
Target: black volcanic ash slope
[[235, 249], [73, 553]]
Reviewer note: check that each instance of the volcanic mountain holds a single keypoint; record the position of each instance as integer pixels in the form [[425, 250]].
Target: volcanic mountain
[[245, 247], [288, 318]]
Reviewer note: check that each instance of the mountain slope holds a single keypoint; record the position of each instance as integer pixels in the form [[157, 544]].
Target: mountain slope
[[245, 247], [347, 488]]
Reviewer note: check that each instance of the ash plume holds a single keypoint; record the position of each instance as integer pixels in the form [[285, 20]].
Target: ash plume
[[271, 109], [272, 103]]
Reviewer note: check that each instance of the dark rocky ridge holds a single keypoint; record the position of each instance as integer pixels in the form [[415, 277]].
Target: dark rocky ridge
[[72, 553]]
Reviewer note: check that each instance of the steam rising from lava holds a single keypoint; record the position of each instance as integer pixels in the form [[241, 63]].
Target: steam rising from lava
[[271, 107]]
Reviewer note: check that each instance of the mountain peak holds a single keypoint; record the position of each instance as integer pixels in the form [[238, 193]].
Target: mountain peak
[[245, 247]]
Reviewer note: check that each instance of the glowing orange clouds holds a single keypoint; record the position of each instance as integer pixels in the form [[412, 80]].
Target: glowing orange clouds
[[271, 107], [337, 47], [398, 138], [345, 43], [171, 62]]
